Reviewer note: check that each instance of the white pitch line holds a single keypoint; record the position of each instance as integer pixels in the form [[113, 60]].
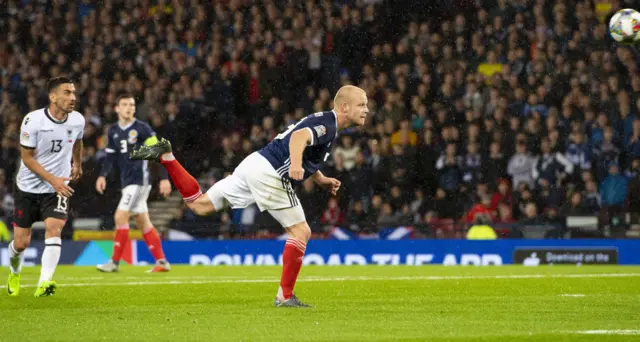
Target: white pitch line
[[140, 277], [572, 295], [346, 278], [607, 332]]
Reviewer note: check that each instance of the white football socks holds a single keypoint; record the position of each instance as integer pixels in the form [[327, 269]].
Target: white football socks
[[50, 258], [15, 259]]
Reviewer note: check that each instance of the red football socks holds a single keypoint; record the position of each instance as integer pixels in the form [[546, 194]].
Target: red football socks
[[186, 184], [120, 242], [292, 261], [152, 239]]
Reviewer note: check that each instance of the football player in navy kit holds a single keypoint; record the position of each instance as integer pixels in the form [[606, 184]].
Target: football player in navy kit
[[266, 176], [122, 138]]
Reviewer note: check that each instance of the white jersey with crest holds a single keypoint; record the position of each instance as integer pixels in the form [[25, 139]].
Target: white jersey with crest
[[53, 142]]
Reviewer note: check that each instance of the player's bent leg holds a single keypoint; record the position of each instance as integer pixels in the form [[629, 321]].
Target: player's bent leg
[[50, 256], [299, 233], [21, 240], [202, 206], [182, 180], [153, 241]]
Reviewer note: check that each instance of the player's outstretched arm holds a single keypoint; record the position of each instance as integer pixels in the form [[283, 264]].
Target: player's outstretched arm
[[76, 165], [299, 140], [58, 183]]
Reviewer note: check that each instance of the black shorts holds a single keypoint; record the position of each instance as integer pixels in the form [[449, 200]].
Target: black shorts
[[30, 208]]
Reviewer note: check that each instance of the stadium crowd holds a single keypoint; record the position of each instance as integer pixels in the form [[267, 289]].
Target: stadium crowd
[[511, 110]]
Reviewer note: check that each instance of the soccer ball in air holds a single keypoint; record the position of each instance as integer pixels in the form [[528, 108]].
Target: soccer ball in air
[[624, 26]]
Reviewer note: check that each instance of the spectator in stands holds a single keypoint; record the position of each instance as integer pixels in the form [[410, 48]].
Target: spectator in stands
[[444, 205], [472, 165], [531, 216], [481, 210], [613, 192], [502, 195], [449, 167], [521, 165], [633, 145], [375, 209], [387, 217], [416, 205], [357, 218], [552, 167], [578, 154], [606, 153], [484, 89], [404, 136], [332, 215], [348, 152], [576, 206], [549, 195], [495, 166], [504, 214], [592, 197]]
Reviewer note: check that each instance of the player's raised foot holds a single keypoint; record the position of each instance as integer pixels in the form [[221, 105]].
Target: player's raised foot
[[13, 284], [161, 266], [47, 288], [153, 152], [292, 302], [109, 267]]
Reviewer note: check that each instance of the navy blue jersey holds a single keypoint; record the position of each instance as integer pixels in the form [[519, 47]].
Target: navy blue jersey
[[121, 141], [323, 127]]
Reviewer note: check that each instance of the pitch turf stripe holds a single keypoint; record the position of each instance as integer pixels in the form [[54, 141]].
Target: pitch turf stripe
[[326, 279]]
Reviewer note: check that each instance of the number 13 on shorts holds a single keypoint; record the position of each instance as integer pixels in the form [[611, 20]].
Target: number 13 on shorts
[[63, 204]]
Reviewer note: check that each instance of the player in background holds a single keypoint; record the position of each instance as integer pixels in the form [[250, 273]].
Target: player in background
[[122, 138], [265, 178], [51, 152]]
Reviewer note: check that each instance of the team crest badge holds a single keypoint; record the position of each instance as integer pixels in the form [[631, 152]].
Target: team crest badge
[[133, 136], [25, 136], [320, 130]]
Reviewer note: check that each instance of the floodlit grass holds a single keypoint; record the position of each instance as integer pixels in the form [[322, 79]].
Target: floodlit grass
[[559, 303]]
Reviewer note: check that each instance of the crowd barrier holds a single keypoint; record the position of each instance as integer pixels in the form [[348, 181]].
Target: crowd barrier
[[355, 252]]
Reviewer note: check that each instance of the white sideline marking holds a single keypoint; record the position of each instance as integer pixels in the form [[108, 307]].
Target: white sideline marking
[[572, 295], [140, 277], [220, 280], [608, 332]]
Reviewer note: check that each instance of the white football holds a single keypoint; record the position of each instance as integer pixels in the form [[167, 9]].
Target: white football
[[624, 26]]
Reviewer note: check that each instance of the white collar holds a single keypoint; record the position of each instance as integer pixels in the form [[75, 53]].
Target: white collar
[[127, 126]]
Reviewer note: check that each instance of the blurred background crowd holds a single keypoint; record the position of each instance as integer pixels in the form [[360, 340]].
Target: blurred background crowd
[[509, 111]]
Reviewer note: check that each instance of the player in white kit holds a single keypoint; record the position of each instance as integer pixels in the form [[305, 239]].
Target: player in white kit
[[51, 151]]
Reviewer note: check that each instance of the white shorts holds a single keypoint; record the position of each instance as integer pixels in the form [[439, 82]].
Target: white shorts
[[256, 181], [134, 198]]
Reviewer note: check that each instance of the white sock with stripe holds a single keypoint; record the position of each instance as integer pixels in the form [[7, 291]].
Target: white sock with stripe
[[15, 259], [50, 258]]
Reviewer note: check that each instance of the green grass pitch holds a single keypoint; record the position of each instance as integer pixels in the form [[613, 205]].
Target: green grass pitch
[[428, 303]]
